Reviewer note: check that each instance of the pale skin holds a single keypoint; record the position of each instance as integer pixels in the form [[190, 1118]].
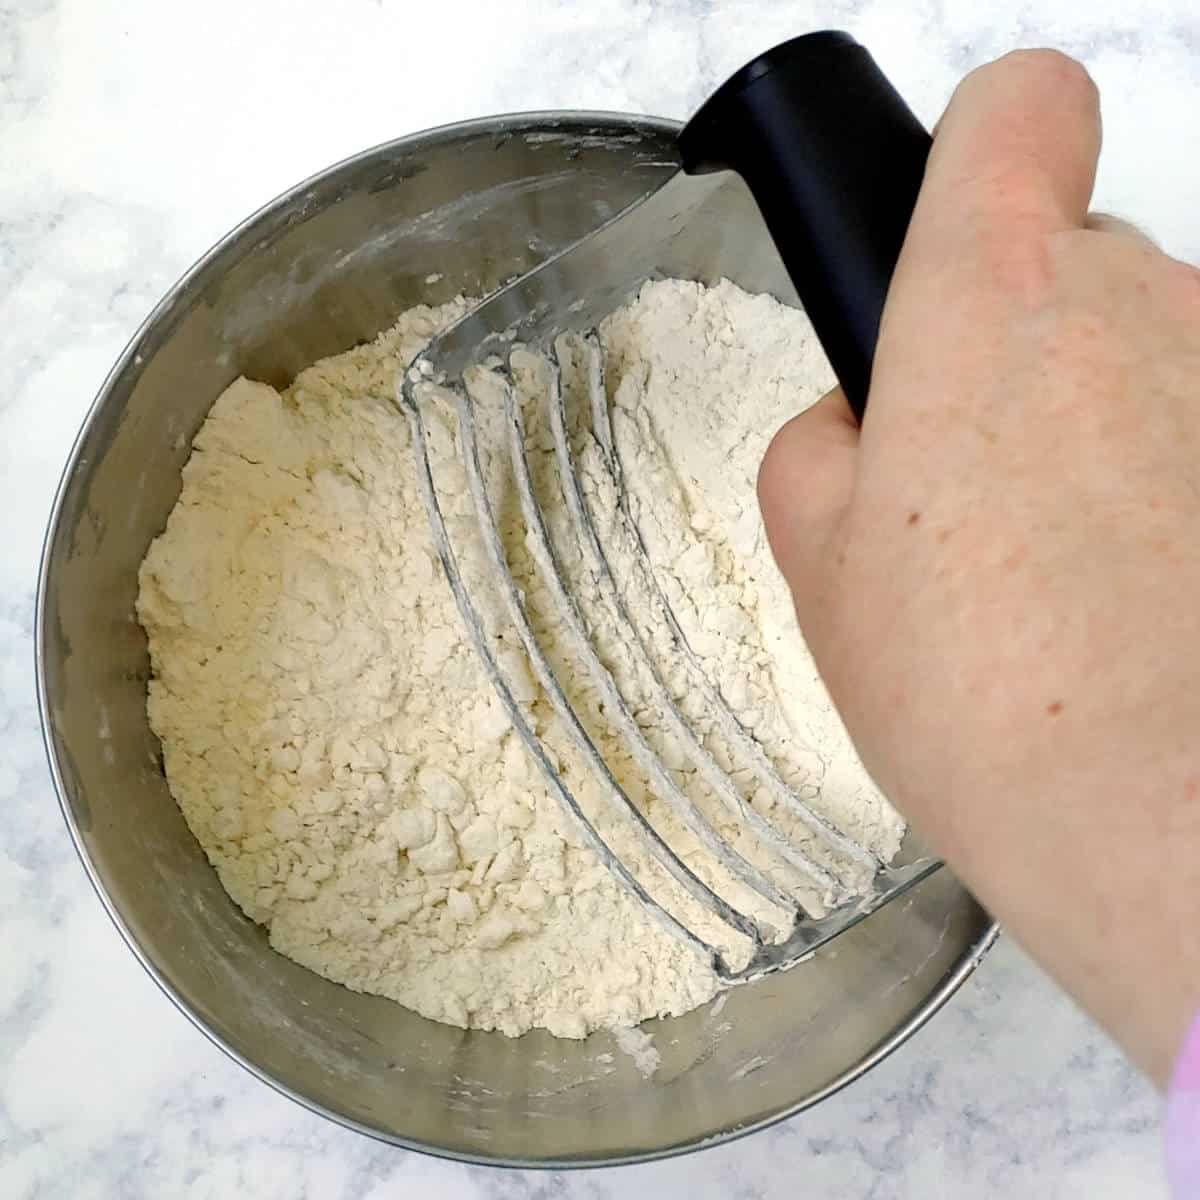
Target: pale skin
[[999, 575]]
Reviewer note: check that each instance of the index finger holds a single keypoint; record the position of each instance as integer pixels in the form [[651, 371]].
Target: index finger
[[1013, 163], [1015, 153]]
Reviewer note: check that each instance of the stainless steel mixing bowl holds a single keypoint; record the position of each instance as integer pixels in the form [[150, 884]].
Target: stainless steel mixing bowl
[[324, 267]]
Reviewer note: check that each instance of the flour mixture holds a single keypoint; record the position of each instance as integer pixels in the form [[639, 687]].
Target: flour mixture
[[336, 747]]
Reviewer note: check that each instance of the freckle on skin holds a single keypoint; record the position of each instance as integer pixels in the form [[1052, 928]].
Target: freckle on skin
[[943, 536], [913, 517], [1055, 708]]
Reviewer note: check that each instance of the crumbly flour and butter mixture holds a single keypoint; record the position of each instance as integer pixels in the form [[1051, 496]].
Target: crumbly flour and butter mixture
[[337, 747]]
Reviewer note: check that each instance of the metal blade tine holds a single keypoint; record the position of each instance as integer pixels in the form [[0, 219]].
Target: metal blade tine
[[713, 774], [614, 701], [621, 802], [727, 720], [410, 405]]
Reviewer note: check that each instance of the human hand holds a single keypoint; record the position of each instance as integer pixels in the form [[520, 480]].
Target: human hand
[[999, 576]]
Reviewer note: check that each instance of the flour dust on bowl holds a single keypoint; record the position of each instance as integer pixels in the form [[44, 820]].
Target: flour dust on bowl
[[327, 267]]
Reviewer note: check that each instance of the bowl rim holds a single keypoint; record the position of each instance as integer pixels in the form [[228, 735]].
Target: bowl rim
[[499, 124]]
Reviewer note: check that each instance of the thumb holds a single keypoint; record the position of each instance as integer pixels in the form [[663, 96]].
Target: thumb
[[804, 487]]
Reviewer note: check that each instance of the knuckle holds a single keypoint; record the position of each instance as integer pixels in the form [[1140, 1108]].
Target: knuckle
[[1104, 222], [1020, 269]]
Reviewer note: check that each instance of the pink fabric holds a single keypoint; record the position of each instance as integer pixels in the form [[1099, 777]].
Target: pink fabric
[[1183, 1122]]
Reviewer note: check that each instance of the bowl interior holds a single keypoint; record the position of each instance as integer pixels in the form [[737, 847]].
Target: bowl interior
[[327, 266]]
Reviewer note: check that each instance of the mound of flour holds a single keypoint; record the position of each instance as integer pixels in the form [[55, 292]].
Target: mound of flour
[[335, 745]]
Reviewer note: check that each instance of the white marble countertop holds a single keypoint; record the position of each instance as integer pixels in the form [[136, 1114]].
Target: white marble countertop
[[132, 134]]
